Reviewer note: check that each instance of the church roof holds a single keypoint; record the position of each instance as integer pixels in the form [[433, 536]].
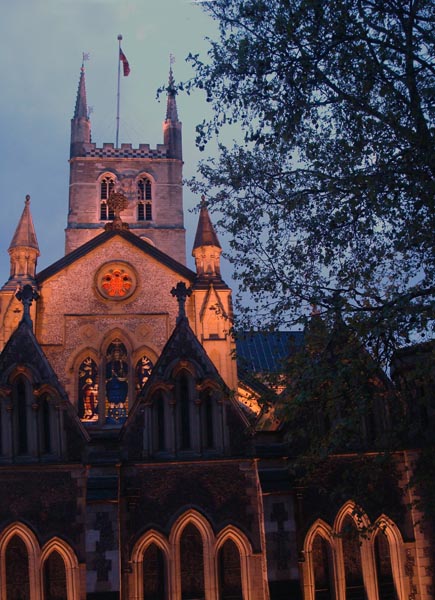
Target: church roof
[[265, 351], [25, 234], [205, 233], [84, 249]]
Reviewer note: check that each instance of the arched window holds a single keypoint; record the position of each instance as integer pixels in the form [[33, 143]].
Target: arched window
[[17, 570], [144, 197], [143, 369], [45, 426], [383, 567], [322, 567], [159, 424], [230, 578], [154, 575], [183, 402], [192, 564], [352, 560], [21, 417], [207, 420], [107, 186], [88, 390], [54, 578], [116, 382]]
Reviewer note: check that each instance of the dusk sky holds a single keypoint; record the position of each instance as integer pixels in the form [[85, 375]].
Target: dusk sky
[[42, 45]]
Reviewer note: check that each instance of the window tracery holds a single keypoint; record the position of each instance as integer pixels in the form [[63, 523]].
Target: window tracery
[[144, 198], [107, 186]]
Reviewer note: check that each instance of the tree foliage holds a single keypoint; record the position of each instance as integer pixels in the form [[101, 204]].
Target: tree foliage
[[331, 193]]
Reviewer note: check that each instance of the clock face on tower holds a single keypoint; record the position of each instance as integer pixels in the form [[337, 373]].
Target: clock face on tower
[[116, 280]]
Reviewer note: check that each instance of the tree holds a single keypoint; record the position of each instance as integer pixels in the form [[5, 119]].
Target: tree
[[331, 193]]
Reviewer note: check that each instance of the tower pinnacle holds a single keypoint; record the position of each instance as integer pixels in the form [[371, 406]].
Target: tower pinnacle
[[171, 125], [23, 250], [80, 123], [206, 247]]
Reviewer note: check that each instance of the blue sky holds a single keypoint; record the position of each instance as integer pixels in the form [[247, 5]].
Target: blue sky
[[42, 45]]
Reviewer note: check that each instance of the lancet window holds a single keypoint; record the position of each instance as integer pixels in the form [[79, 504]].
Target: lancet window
[[88, 390], [54, 577], [192, 564], [154, 576], [116, 380], [230, 578], [109, 401], [144, 199], [22, 400], [17, 570], [107, 186]]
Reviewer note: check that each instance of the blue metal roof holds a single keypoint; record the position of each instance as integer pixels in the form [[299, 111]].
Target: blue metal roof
[[260, 352]]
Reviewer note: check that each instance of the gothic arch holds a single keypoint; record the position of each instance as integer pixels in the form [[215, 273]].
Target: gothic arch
[[71, 565], [106, 183], [350, 509], [245, 551], [177, 366], [397, 552], [111, 335], [32, 546], [194, 518], [368, 566], [322, 529], [137, 554]]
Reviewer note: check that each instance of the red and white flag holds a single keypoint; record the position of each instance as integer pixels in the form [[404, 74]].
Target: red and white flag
[[125, 65]]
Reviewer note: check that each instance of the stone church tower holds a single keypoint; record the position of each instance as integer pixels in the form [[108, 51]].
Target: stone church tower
[[151, 178]]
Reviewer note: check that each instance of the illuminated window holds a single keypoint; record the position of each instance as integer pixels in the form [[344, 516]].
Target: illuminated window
[[116, 382], [88, 390]]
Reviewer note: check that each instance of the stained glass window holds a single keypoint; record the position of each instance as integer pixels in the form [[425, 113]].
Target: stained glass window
[[116, 382], [88, 390], [143, 369], [17, 570], [54, 578]]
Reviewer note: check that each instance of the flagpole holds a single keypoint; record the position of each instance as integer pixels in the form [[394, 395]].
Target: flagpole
[[118, 94]]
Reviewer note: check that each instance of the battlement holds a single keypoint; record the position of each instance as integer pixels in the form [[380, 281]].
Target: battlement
[[108, 150]]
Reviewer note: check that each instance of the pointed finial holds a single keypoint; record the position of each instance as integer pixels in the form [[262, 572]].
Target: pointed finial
[[181, 292], [26, 295], [25, 234]]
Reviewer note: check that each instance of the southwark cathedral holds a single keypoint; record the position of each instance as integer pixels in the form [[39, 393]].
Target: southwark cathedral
[[137, 460]]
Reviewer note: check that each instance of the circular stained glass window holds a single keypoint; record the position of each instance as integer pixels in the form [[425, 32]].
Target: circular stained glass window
[[116, 281]]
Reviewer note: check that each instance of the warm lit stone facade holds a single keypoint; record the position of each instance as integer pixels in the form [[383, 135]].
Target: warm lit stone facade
[[132, 463]]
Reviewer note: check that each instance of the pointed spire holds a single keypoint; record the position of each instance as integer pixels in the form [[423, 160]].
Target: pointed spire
[[25, 235], [205, 233], [81, 109], [171, 125], [80, 123], [206, 248], [23, 251], [171, 103]]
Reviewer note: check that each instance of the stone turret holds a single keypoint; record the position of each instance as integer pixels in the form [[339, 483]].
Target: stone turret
[[23, 251], [206, 248], [212, 300], [80, 123], [172, 126]]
